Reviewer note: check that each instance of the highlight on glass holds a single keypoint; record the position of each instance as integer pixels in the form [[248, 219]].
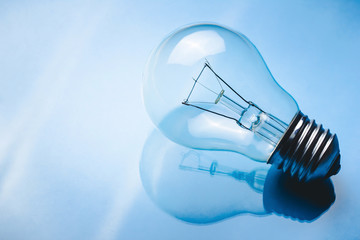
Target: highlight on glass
[[207, 87]]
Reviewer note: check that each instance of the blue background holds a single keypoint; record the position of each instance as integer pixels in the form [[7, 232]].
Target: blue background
[[73, 124]]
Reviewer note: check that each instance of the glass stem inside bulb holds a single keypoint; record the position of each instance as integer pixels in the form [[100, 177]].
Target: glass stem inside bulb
[[209, 93], [254, 119]]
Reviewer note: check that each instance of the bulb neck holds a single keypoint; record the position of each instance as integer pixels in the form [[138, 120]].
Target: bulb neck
[[307, 151]]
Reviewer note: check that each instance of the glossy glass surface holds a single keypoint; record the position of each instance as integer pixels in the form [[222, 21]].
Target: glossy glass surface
[[73, 125], [207, 87]]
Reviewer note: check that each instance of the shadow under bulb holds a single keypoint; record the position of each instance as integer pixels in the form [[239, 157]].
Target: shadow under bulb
[[207, 87]]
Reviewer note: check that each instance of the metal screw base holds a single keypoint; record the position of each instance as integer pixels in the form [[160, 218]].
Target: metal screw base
[[307, 151]]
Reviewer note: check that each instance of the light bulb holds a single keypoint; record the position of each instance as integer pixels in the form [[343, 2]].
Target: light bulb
[[207, 87]]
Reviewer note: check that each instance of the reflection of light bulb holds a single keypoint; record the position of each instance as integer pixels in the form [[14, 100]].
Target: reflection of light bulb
[[193, 161], [169, 176], [200, 186], [207, 87]]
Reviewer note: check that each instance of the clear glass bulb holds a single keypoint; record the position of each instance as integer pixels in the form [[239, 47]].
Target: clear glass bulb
[[207, 87]]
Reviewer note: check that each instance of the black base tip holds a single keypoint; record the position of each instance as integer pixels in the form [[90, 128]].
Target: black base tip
[[335, 168]]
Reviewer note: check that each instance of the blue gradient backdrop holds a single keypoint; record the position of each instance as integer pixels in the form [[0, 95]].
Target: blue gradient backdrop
[[73, 125]]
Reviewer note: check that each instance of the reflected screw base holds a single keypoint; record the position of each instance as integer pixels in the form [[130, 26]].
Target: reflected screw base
[[307, 151]]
